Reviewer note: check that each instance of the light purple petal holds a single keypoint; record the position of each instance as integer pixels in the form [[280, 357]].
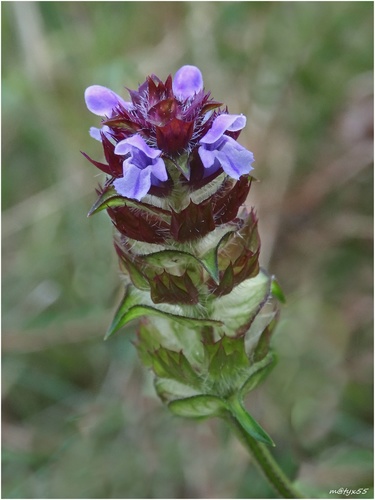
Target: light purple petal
[[229, 145], [229, 168], [101, 101], [187, 81], [214, 168], [95, 132], [140, 168], [159, 171], [207, 156], [135, 184], [122, 147], [136, 141], [235, 161], [221, 124], [238, 123]]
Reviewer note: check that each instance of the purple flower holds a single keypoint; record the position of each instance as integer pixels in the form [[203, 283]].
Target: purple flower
[[187, 81], [101, 101], [172, 119], [219, 150], [142, 167], [95, 132]]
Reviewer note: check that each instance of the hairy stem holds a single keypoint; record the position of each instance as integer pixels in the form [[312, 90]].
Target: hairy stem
[[265, 461]]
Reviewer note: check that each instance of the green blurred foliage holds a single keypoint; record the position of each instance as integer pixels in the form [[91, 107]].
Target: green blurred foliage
[[80, 417]]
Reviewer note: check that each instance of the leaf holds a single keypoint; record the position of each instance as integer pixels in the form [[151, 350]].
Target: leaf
[[277, 291], [258, 372], [211, 105], [110, 199], [132, 266], [172, 335], [120, 122], [101, 166], [171, 289], [148, 342], [174, 365], [181, 164], [248, 423], [167, 259], [210, 258], [256, 336], [226, 282], [171, 258], [198, 406], [238, 308], [170, 390], [208, 189], [137, 303], [193, 222], [226, 358], [139, 224], [262, 348], [227, 200]]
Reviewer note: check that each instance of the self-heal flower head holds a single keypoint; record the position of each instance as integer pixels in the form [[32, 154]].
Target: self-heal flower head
[[166, 126], [219, 150], [176, 182], [141, 168]]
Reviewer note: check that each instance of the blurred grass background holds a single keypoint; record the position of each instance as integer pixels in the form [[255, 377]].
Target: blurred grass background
[[80, 418]]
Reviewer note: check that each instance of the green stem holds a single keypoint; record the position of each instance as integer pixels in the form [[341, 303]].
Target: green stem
[[265, 461]]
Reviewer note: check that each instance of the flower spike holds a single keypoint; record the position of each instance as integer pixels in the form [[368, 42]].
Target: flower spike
[[176, 179]]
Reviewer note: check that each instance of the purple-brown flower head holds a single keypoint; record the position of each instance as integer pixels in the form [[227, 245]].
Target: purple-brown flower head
[[176, 179], [164, 124]]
